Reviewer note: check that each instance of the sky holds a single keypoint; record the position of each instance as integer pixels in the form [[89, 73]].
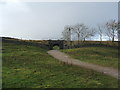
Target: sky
[[46, 20]]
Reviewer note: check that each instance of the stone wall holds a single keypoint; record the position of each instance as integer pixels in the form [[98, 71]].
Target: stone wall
[[25, 43], [61, 43]]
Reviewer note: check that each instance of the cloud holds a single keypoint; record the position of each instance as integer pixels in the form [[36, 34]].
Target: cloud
[[60, 0], [47, 20], [14, 6]]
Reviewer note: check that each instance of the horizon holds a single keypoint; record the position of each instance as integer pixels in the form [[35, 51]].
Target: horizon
[[55, 39]]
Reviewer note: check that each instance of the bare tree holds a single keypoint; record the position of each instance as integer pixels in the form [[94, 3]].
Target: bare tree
[[100, 31], [78, 29], [87, 33], [118, 30], [67, 33], [83, 32], [111, 29]]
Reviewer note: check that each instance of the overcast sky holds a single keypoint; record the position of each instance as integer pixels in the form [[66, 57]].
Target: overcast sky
[[46, 20]]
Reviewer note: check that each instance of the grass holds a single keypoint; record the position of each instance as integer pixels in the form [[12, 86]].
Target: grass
[[105, 56], [31, 67], [56, 48], [0, 67]]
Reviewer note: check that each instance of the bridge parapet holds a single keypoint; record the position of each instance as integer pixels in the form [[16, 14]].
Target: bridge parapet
[[53, 43]]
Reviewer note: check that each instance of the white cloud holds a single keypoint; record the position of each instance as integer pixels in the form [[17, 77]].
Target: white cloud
[[60, 0], [10, 6], [11, 1]]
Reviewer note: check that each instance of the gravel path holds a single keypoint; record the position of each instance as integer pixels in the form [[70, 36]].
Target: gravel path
[[67, 59]]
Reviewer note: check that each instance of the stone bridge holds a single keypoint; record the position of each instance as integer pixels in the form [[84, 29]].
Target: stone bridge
[[49, 45], [53, 43]]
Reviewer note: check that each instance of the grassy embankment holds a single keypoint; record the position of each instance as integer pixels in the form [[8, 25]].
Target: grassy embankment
[[105, 56], [31, 67]]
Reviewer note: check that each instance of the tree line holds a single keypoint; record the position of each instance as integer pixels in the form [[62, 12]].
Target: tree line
[[82, 32]]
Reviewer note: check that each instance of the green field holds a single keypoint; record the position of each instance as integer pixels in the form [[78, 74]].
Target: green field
[[105, 56], [31, 67]]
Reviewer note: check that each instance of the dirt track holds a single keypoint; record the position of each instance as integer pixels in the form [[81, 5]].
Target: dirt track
[[67, 59]]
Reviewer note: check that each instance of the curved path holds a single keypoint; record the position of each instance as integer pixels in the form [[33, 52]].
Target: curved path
[[67, 59]]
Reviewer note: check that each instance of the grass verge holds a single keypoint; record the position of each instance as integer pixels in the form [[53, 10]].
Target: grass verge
[[31, 67], [105, 56]]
